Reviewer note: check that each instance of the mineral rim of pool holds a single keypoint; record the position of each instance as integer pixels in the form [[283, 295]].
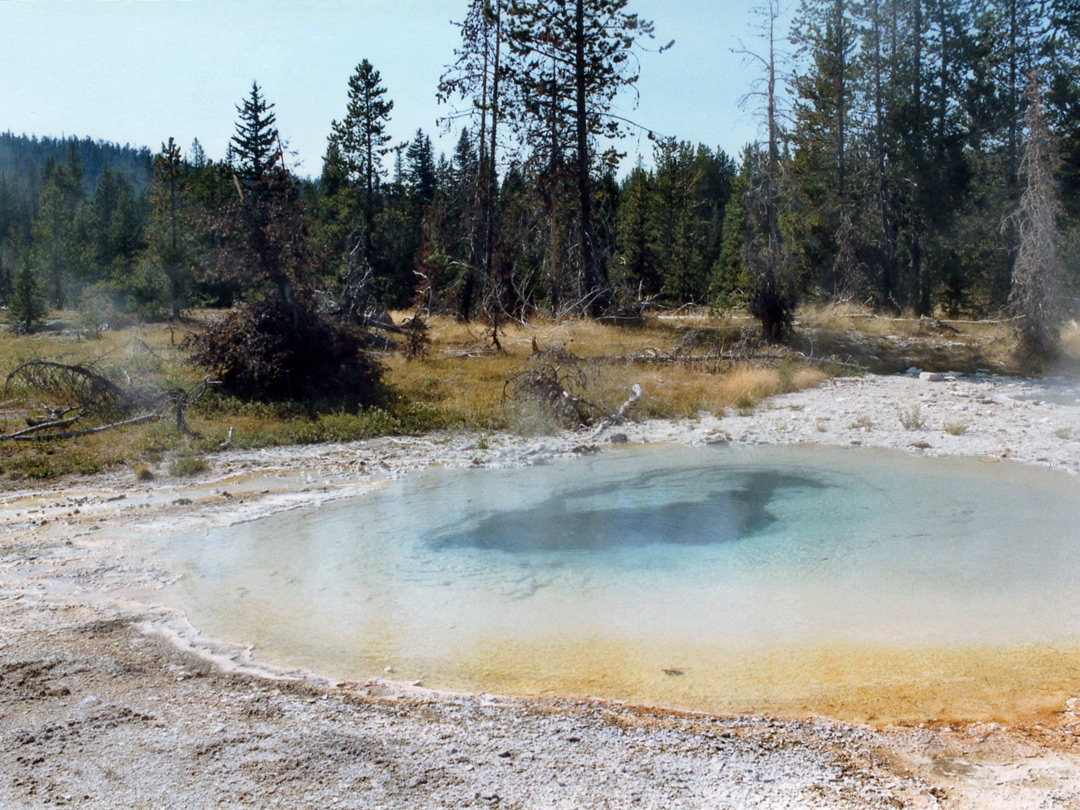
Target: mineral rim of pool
[[858, 584]]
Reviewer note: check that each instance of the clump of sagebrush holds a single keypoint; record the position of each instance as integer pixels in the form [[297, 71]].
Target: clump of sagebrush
[[956, 428], [142, 472]]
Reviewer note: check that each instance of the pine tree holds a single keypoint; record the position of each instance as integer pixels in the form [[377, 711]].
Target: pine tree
[[198, 157], [256, 146], [729, 278], [27, 304], [823, 136], [361, 136], [420, 168], [361, 142], [58, 234], [636, 262], [574, 57], [168, 236], [117, 220], [478, 76]]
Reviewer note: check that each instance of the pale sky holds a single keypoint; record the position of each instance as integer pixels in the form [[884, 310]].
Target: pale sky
[[140, 71]]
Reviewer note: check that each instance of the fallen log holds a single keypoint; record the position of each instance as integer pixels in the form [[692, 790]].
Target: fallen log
[[27, 436], [42, 426], [735, 357], [619, 416]]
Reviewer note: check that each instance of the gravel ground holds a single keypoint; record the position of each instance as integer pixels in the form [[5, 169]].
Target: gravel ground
[[110, 700]]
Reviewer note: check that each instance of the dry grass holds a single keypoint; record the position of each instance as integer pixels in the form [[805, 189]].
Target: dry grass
[[911, 418], [956, 428], [464, 375], [460, 383], [887, 344], [1070, 342]]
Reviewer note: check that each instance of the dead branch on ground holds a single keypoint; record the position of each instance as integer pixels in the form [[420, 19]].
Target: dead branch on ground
[[89, 389], [95, 392], [72, 434], [554, 384], [620, 415]]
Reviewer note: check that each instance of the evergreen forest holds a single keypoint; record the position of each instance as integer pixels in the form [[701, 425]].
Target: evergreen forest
[[908, 150]]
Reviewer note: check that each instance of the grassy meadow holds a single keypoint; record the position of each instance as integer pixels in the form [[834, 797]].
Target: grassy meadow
[[686, 364]]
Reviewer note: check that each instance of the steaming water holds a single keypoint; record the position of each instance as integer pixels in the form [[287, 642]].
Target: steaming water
[[857, 583]]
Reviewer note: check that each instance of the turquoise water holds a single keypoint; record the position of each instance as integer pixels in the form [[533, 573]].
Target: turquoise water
[[607, 573]]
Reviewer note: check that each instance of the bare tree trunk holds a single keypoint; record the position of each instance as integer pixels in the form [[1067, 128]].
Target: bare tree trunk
[[591, 284], [500, 288], [918, 270], [841, 101]]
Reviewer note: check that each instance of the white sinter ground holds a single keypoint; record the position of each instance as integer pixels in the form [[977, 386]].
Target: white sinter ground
[[109, 700]]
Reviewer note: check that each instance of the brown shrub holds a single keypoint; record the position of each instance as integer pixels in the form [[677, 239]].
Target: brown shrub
[[276, 351]]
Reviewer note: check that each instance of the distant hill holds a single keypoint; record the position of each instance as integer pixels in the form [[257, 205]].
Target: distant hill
[[23, 157]]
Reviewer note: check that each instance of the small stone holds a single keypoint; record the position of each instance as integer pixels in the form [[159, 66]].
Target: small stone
[[620, 438], [931, 376]]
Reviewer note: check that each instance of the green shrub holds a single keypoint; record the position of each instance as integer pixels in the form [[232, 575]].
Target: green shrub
[[187, 464]]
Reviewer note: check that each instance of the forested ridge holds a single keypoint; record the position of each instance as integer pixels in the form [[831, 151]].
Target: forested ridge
[[24, 158], [891, 172]]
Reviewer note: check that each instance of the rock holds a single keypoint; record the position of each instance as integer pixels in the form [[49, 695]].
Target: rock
[[931, 376], [620, 438]]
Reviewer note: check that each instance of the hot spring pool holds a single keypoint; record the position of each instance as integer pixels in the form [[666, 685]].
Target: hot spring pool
[[860, 584]]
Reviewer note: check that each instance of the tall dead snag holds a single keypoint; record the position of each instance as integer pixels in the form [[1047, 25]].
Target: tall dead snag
[[1039, 270], [768, 258], [477, 76]]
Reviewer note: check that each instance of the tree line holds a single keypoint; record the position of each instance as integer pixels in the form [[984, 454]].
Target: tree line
[[904, 141], [890, 168]]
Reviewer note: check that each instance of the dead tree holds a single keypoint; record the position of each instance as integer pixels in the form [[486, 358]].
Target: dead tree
[[767, 257], [1039, 270], [89, 392]]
